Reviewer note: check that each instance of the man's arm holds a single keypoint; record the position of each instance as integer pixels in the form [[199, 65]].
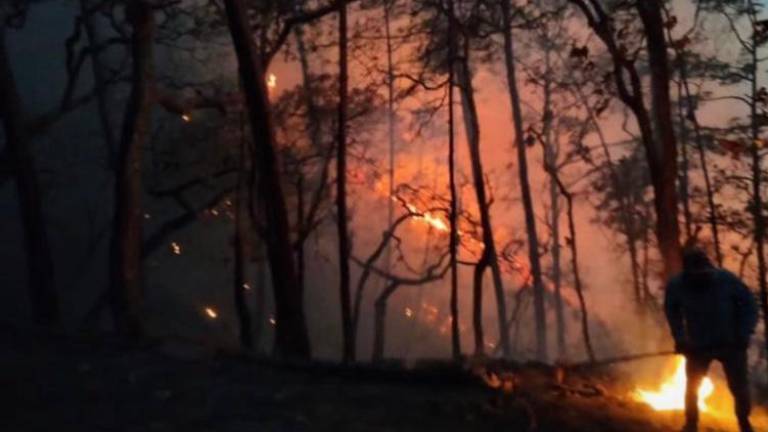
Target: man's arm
[[746, 310], [674, 313]]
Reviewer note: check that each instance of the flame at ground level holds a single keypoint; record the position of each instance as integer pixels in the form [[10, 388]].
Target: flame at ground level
[[671, 393]]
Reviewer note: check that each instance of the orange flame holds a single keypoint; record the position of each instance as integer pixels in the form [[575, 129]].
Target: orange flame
[[671, 394]]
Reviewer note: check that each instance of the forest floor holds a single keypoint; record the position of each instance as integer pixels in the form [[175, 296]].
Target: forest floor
[[64, 385]]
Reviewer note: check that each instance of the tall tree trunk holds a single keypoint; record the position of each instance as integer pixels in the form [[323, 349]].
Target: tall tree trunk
[[626, 215], [341, 191], [291, 328], [551, 153], [391, 121], [684, 164], [453, 216], [380, 321], [757, 182], [472, 127], [260, 304], [100, 80], [659, 144], [552, 169], [477, 304], [663, 158], [700, 149], [540, 315], [688, 107], [40, 280], [128, 290], [242, 244]]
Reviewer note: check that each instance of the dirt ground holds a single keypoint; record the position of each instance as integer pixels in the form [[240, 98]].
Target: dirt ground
[[61, 385]]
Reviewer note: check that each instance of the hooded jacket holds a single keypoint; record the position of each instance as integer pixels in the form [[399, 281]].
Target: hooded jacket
[[710, 309]]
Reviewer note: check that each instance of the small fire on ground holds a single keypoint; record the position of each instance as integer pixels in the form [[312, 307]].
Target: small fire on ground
[[670, 395]]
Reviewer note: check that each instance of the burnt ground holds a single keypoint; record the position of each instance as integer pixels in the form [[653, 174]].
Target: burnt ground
[[63, 385]]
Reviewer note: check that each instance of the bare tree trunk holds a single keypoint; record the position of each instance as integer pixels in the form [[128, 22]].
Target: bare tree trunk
[[454, 240], [128, 290], [540, 315], [100, 79], [341, 191], [391, 121], [380, 321], [684, 165], [551, 153], [691, 115], [757, 194], [477, 304], [291, 328], [663, 160], [260, 308], [242, 244], [660, 146], [575, 263], [472, 128], [627, 218], [40, 280]]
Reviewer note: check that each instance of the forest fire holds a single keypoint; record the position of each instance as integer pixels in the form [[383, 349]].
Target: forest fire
[[670, 395]]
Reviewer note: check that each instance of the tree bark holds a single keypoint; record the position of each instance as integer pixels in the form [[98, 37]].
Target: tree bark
[[663, 160], [242, 245], [575, 262], [40, 280], [540, 315], [477, 304], [342, 221], [291, 329], [100, 80], [128, 290], [453, 216], [758, 214], [380, 321], [472, 127], [659, 144], [551, 153], [391, 121]]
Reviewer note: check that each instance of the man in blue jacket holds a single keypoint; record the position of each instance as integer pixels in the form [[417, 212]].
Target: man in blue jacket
[[712, 315]]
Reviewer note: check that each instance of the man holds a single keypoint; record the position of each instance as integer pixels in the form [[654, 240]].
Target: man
[[712, 315]]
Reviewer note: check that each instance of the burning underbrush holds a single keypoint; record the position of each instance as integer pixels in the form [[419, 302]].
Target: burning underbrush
[[618, 397]]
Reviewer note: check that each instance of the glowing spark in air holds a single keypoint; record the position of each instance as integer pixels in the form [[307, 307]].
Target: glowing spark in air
[[212, 314], [246, 286], [176, 248], [272, 81], [186, 117], [408, 312], [272, 320]]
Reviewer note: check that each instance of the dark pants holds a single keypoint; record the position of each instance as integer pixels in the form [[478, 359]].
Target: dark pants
[[735, 366]]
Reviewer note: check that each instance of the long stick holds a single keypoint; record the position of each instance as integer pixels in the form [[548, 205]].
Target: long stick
[[620, 359]]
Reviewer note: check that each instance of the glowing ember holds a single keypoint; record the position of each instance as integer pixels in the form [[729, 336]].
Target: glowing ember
[[272, 320], [272, 81], [671, 394], [246, 287], [408, 312], [186, 117], [435, 221], [176, 248], [212, 314]]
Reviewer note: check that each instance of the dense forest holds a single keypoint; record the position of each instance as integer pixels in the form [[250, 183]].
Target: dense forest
[[361, 186]]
